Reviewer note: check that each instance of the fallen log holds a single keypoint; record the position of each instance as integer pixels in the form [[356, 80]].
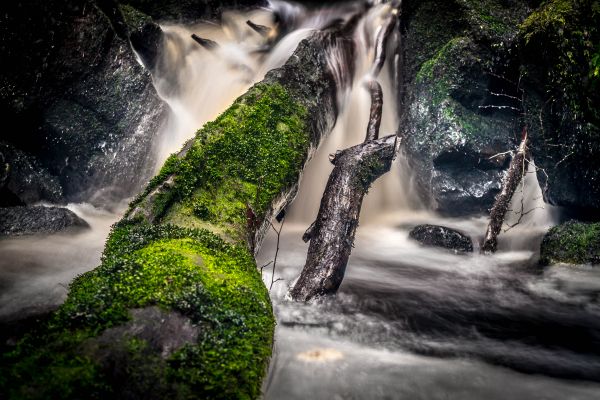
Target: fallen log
[[516, 171], [332, 234], [178, 308]]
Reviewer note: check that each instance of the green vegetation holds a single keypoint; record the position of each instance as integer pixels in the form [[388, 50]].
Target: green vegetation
[[134, 18], [244, 158], [213, 283], [202, 269], [565, 35], [572, 243]]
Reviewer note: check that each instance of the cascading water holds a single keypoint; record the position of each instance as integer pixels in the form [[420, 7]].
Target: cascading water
[[409, 322]]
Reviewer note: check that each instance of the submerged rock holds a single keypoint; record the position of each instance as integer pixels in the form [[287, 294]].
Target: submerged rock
[[571, 243], [441, 236], [15, 221]]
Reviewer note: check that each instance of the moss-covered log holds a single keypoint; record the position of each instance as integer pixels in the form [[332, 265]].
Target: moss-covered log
[[177, 309]]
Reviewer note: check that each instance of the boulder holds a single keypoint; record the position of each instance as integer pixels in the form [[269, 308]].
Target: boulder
[[441, 236], [561, 76], [24, 180], [15, 221], [459, 104], [84, 106], [571, 243]]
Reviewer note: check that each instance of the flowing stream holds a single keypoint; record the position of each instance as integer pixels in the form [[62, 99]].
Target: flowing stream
[[408, 322]]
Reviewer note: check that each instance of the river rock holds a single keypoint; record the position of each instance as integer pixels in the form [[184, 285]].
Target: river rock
[[459, 104], [571, 243], [15, 221], [441, 236], [24, 180]]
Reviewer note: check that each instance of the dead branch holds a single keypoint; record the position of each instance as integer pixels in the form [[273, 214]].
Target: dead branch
[[376, 109], [332, 234], [206, 43], [262, 30], [516, 171]]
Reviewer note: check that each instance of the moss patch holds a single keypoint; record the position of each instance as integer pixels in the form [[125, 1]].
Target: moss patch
[[192, 271], [246, 157], [572, 243]]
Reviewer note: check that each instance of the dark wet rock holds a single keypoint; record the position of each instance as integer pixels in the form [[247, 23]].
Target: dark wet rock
[[15, 221], [83, 105], [441, 236], [23, 179], [147, 41], [134, 355], [188, 10], [571, 243], [558, 44], [459, 108]]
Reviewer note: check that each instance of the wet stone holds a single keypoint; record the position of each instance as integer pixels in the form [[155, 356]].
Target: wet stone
[[441, 236], [16, 221]]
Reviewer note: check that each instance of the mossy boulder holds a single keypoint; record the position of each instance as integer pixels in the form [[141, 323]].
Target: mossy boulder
[[184, 255], [461, 107], [560, 50], [571, 243]]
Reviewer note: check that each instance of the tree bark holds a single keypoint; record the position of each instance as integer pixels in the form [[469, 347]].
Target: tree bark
[[516, 171], [376, 109], [332, 234]]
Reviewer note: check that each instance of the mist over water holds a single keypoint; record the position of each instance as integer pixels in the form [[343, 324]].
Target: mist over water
[[35, 271], [408, 322]]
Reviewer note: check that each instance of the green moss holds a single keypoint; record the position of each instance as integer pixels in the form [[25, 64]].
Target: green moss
[[564, 36], [134, 18], [439, 72], [202, 268], [571, 243], [244, 158], [192, 271]]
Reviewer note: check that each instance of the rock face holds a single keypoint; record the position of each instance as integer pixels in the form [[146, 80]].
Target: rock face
[[561, 57], [16, 221], [474, 73], [24, 180], [84, 107], [460, 107], [441, 236], [187, 10], [571, 243]]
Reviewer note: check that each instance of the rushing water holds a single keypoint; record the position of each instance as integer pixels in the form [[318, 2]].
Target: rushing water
[[408, 322]]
